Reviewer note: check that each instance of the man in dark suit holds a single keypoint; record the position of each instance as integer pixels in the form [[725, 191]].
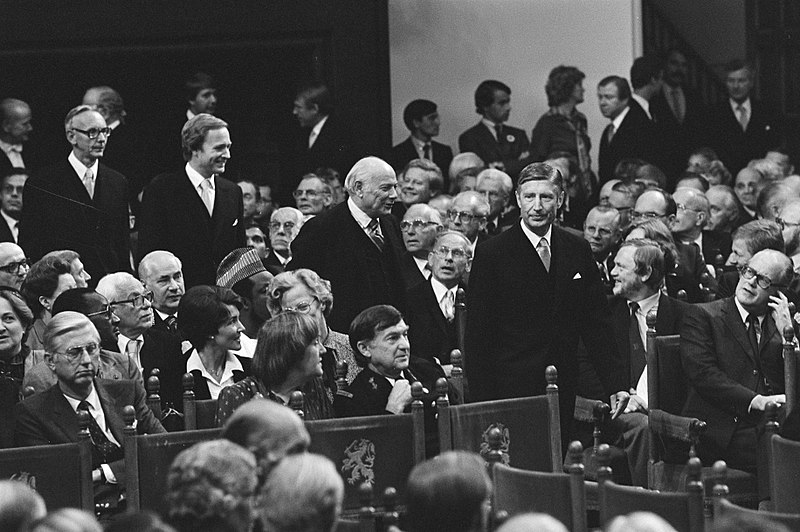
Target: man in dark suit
[[732, 353], [498, 145], [11, 188], [534, 291], [323, 140], [468, 215], [688, 226], [79, 203], [420, 226], [743, 128], [680, 113], [161, 272], [496, 187], [422, 119], [50, 417], [630, 135], [195, 213], [431, 304], [15, 126], [601, 231], [356, 245], [284, 226]]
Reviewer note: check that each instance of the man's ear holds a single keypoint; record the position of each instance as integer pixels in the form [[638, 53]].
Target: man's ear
[[358, 188], [45, 302], [482, 224], [646, 276], [363, 348]]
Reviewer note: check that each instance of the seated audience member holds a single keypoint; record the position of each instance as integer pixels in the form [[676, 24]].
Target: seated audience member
[[257, 239], [209, 319], [468, 216], [717, 174], [601, 231], [747, 186], [113, 364], [432, 304], [448, 493], [724, 209], [161, 272], [639, 522], [531, 522], [461, 162], [332, 178], [243, 272], [46, 280], [288, 358], [623, 198], [689, 226], [306, 292], [379, 337], [302, 492], [14, 266], [771, 199], [16, 319], [692, 180], [627, 168], [210, 487], [495, 186], [19, 506], [422, 119], [789, 220], [466, 180], [149, 349], [770, 171], [284, 225], [748, 240], [66, 520], [422, 180], [420, 226], [72, 346], [250, 197], [700, 159], [605, 191], [781, 157], [80, 275], [651, 176], [732, 353], [312, 195], [268, 430], [441, 203]]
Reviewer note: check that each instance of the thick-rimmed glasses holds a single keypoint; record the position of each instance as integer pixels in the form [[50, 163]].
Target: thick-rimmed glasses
[[137, 301], [457, 253], [762, 280], [106, 311], [463, 217], [417, 224], [15, 267], [94, 132]]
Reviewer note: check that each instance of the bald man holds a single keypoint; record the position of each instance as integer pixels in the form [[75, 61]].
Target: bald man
[[14, 266], [15, 126]]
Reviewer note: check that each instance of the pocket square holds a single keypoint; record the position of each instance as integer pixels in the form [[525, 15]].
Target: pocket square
[[577, 276], [235, 222]]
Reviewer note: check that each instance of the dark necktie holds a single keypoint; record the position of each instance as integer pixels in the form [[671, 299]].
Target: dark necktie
[[374, 230], [172, 323], [754, 330], [752, 334], [609, 132], [498, 129], [108, 450], [426, 151], [638, 359]]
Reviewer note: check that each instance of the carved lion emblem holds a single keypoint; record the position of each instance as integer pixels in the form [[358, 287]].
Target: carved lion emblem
[[504, 442], [358, 463]]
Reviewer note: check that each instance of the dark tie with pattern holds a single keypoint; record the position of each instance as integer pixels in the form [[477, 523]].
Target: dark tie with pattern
[[374, 229], [172, 323], [108, 450], [638, 358]]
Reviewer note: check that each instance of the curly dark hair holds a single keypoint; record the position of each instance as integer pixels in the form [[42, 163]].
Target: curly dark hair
[[561, 84]]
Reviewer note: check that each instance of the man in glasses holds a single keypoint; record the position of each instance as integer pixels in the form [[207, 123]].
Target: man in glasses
[[312, 195], [732, 353], [468, 215], [72, 346], [420, 226], [79, 203], [431, 304], [14, 266]]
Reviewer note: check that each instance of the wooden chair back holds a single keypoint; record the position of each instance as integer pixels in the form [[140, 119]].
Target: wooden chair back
[[153, 387], [61, 474], [378, 450], [560, 495], [525, 444], [684, 511], [147, 461], [723, 507], [784, 472], [197, 413]]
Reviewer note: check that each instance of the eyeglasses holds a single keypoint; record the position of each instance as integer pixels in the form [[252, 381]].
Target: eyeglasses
[[138, 301], [15, 267], [762, 280], [417, 224], [682, 207], [457, 253], [605, 232], [784, 224], [463, 217], [74, 353], [310, 193], [276, 226], [94, 132], [304, 307], [636, 215], [107, 311]]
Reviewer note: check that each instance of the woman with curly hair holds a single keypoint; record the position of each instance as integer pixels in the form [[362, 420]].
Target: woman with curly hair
[[564, 129]]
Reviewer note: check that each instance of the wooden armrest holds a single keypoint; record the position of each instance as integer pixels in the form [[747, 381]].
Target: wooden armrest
[[686, 429], [588, 410]]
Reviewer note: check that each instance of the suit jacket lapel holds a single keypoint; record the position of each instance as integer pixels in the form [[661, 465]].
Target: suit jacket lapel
[[732, 319], [435, 309], [64, 416], [193, 198]]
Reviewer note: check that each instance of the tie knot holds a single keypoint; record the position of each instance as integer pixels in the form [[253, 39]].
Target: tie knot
[[84, 406], [634, 307], [206, 184], [373, 224], [752, 318], [543, 244]]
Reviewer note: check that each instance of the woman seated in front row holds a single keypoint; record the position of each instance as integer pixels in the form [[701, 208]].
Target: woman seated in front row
[[208, 316], [288, 357]]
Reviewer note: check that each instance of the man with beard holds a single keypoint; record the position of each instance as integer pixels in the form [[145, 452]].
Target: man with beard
[[357, 244]]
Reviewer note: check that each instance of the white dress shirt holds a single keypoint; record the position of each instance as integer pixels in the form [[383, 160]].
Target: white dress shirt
[[214, 386], [96, 410], [315, 131], [13, 225], [80, 169], [197, 183], [14, 153]]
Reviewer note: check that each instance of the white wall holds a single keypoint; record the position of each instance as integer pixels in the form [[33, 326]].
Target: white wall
[[442, 49]]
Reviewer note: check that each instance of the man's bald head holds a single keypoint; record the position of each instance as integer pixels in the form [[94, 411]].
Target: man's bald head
[[15, 121]]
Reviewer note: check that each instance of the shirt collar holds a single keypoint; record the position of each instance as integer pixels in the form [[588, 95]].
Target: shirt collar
[[361, 217], [419, 144], [421, 263], [317, 128], [114, 125], [744, 313], [231, 363], [620, 117], [196, 178], [122, 343], [80, 168], [6, 147], [9, 220], [439, 290], [491, 125], [163, 315], [735, 106], [649, 303], [189, 114], [93, 399], [534, 238]]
